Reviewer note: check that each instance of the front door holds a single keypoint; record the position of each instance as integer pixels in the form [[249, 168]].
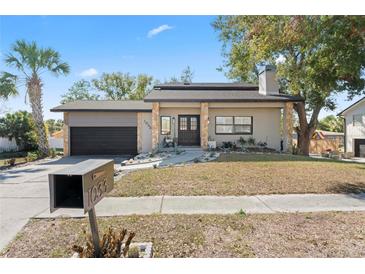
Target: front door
[[189, 130]]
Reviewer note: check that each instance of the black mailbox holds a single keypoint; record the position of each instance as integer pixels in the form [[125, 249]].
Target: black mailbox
[[82, 185]]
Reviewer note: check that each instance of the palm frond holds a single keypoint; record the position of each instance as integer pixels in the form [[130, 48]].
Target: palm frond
[[13, 61], [33, 59], [62, 68]]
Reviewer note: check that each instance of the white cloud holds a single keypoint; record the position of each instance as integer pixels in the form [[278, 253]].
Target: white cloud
[[158, 30], [89, 72]]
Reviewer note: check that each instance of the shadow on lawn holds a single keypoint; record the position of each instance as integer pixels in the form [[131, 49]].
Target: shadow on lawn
[[276, 157], [349, 188]]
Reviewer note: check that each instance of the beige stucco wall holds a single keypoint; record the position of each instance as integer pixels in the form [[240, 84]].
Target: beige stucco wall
[[146, 118], [354, 132], [102, 119], [266, 125], [247, 105]]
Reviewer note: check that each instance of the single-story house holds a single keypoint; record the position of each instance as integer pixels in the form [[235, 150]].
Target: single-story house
[[354, 120], [189, 113]]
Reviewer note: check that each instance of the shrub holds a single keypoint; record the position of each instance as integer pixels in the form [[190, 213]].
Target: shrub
[[11, 162], [251, 141], [20, 127], [227, 144], [242, 141], [52, 153], [34, 155], [262, 144]]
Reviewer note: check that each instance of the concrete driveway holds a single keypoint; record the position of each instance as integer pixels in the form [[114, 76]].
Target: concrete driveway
[[24, 193]]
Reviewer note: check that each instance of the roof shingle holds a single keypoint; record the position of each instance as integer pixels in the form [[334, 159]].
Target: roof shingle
[[213, 92]]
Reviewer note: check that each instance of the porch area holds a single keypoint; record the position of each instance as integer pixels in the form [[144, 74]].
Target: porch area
[[190, 125]]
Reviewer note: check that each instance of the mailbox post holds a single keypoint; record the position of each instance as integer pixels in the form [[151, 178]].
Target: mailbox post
[[82, 186]]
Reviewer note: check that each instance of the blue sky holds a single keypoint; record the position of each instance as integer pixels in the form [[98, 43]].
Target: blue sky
[[161, 46]]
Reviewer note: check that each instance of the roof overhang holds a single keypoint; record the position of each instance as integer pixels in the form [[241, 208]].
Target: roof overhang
[[350, 107], [100, 110], [187, 100]]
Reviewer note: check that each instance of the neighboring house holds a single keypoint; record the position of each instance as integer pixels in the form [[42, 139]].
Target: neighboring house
[[354, 120], [190, 113], [56, 139], [323, 141], [7, 145]]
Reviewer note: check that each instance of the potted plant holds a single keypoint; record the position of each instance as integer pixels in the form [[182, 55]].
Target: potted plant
[[211, 143]]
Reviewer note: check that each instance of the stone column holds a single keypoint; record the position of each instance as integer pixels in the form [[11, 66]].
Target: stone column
[[66, 134], [288, 127], [155, 124], [139, 132], [204, 123]]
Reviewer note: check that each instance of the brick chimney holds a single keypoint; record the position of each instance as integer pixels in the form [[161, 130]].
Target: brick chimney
[[267, 81]]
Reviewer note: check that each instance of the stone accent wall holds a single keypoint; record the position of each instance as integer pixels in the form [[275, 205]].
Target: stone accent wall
[[288, 127], [204, 123], [155, 124], [66, 134], [139, 132]]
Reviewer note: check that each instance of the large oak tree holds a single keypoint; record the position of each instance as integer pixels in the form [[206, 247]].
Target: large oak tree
[[317, 57]]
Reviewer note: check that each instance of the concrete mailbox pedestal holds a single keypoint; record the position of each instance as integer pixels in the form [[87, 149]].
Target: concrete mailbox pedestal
[[82, 186]]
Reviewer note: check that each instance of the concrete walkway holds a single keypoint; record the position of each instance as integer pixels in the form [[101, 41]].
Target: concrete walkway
[[184, 157], [114, 206]]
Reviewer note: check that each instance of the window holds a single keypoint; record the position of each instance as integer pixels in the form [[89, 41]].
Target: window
[[165, 125], [357, 120], [193, 123], [183, 123], [233, 124]]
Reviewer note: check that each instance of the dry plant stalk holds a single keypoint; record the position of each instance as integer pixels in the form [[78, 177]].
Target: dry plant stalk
[[110, 244]]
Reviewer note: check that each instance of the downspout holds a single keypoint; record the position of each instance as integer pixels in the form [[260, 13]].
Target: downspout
[[344, 134]]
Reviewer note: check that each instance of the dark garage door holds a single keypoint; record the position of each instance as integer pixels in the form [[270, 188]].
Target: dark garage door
[[103, 140]]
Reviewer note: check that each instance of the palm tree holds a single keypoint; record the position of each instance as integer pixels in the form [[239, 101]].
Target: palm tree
[[31, 62]]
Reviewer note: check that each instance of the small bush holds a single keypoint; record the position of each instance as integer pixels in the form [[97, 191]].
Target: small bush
[[11, 162], [251, 141], [262, 144], [242, 141], [32, 156], [227, 144], [52, 153]]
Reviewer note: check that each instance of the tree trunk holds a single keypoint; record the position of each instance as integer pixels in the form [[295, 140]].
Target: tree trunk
[[305, 130], [34, 88], [304, 142]]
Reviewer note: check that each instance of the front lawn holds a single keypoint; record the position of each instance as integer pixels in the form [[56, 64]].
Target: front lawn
[[260, 235], [247, 174]]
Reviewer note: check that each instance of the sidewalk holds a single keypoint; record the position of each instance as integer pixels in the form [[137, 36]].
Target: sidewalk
[[115, 206]]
